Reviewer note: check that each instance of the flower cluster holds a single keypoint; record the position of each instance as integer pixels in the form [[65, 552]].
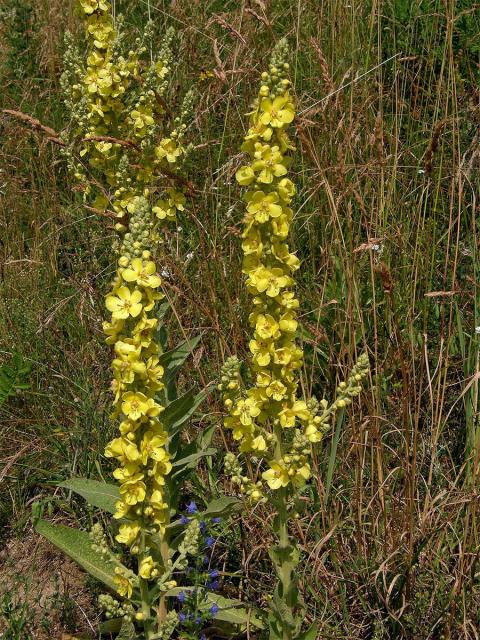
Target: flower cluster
[[125, 148], [268, 419], [269, 267], [122, 140], [196, 608]]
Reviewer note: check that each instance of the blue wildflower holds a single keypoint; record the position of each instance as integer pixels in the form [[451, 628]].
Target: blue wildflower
[[192, 507], [203, 526], [182, 617], [210, 541], [214, 573], [184, 520], [216, 520], [214, 609], [181, 596]]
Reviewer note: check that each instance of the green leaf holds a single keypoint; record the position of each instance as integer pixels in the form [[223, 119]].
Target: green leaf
[[98, 494], [181, 410], [77, 545], [13, 377], [230, 610], [222, 506], [190, 462], [172, 360], [110, 626], [127, 631], [310, 634]]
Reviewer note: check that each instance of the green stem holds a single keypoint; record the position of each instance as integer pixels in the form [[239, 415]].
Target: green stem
[[144, 595], [288, 591]]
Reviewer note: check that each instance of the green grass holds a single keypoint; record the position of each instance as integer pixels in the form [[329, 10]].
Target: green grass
[[387, 229]]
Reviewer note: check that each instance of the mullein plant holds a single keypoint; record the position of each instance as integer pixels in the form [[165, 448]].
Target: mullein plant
[[125, 150], [274, 428]]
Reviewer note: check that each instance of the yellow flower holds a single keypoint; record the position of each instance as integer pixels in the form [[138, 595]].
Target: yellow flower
[[133, 490], [162, 210], [245, 175], [277, 476], [255, 444], [176, 199], [246, 410], [112, 330], [262, 206], [252, 243], [312, 433], [141, 118], [128, 533], [269, 163], [290, 413], [152, 447], [128, 365], [276, 390], [261, 352], [286, 189], [277, 113], [136, 405], [124, 304], [169, 150], [147, 567], [123, 450], [143, 273], [123, 585], [302, 474], [89, 6], [143, 331], [270, 281], [287, 323], [266, 327]]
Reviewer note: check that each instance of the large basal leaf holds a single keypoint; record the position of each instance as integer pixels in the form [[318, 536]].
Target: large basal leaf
[[221, 506], [98, 494], [77, 545], [178, 412]]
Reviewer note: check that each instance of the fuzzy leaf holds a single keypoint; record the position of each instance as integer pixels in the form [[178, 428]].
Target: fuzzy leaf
[[77, 545], [222, 506], [190, 461], [310, 634], [98, 494], [172, 360], [110, 626], [127, 631], [181, 410]]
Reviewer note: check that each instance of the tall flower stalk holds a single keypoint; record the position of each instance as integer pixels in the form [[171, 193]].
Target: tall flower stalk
[[124, 149], [268, 419]]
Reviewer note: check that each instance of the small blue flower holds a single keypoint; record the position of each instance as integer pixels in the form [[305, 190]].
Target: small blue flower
[[192, 507], [210, 541], [216, 520], [181, 596], [203, 526], [182, 617], [203, 637], [213, 586], [184, 520], [206, 560], [214, 573], [214, 609], [198, 620]]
